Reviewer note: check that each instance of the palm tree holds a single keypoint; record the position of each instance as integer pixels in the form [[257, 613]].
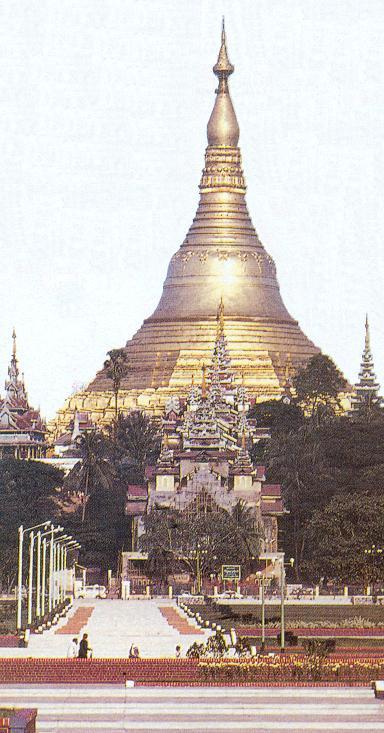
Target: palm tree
[[137, 443], [247, 530], [93, 471], [116, 367]]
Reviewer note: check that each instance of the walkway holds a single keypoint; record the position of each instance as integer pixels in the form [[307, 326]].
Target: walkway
[[116, 709], [112, 626]]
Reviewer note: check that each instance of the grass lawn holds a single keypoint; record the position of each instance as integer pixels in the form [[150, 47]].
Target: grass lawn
[[249, 615]]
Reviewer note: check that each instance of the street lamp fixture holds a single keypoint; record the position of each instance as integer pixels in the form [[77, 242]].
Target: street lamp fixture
[[21, 532], [261, 579]]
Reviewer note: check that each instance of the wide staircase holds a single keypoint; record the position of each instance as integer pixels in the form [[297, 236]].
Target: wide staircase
[[116, 708]]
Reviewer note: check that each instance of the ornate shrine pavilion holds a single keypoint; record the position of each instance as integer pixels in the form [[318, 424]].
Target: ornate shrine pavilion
[[204, 464], [221, 256], [22, 430]]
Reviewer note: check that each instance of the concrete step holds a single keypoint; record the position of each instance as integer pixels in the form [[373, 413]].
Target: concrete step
[[115, 708]]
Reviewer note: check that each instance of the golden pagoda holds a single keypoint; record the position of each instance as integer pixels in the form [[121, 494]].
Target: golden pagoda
[[221, 260]]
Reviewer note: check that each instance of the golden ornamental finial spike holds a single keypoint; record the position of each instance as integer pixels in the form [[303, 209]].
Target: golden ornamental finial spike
[[223, 129], [14, 342], [223, 67], [367, 336], [203, 384], [220, 318]]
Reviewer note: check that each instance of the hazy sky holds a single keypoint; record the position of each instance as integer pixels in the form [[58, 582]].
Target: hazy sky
[[104, 106]]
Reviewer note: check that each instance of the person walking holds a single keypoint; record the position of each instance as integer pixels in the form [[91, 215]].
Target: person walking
[[72, 650], [85, 651], [178, 652]]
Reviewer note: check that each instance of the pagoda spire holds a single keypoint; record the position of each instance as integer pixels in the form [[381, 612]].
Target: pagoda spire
[[367, 335], [220, 318], [14, 343], [223, 128], [14, 386], [13, 370], [367, 388]]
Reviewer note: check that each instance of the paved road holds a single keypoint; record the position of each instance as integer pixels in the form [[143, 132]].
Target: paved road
[[116, 709]]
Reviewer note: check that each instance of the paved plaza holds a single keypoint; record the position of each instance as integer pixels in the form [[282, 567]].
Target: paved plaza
[[156, 627], [116, 709], [112, 626]]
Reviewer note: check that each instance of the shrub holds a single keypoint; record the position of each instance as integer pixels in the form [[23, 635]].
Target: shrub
[[290, 638]]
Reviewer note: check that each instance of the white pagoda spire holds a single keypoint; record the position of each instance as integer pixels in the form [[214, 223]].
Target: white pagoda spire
[[367, 388]]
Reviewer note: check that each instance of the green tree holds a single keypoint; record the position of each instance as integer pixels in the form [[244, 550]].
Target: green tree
[[297, 461], [116, 368], [339, 534], [277, 415], [137, 445], [178, 541], [318, 387], [30, 493], [93, 473]]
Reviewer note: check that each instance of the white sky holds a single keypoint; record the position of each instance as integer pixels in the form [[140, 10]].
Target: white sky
[[103, 112]]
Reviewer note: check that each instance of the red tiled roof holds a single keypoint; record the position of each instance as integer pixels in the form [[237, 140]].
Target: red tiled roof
[[271, 490], [135, 507], [272, 507], [64, 439], [136, 490]]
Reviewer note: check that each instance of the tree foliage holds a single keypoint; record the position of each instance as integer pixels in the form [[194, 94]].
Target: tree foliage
[[318, 387], [29, 494], [137, 444], [174, 539], [116, 367], [278, 416], [339, 534]]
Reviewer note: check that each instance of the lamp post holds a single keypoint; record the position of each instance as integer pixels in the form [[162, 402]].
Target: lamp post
[[42, 568], [61, 545], [55, 569], [69, 545], [21, 532], [30, 578], [282, 584], [262, 586], [51, 568], [373, 555], [44, 576]]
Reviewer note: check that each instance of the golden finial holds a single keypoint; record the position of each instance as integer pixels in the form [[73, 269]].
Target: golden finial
[[220, 318], [14, 342], [367, 336], [223, 67], [223, 129], [203, 383], [192, 379]]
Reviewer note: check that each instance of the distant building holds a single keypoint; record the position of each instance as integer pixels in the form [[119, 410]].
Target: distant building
[[66, 445], [22, 430], [204, 464], [366, 390]]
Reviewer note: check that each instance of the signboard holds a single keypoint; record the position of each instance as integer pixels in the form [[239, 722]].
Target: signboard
[[231, 572]]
